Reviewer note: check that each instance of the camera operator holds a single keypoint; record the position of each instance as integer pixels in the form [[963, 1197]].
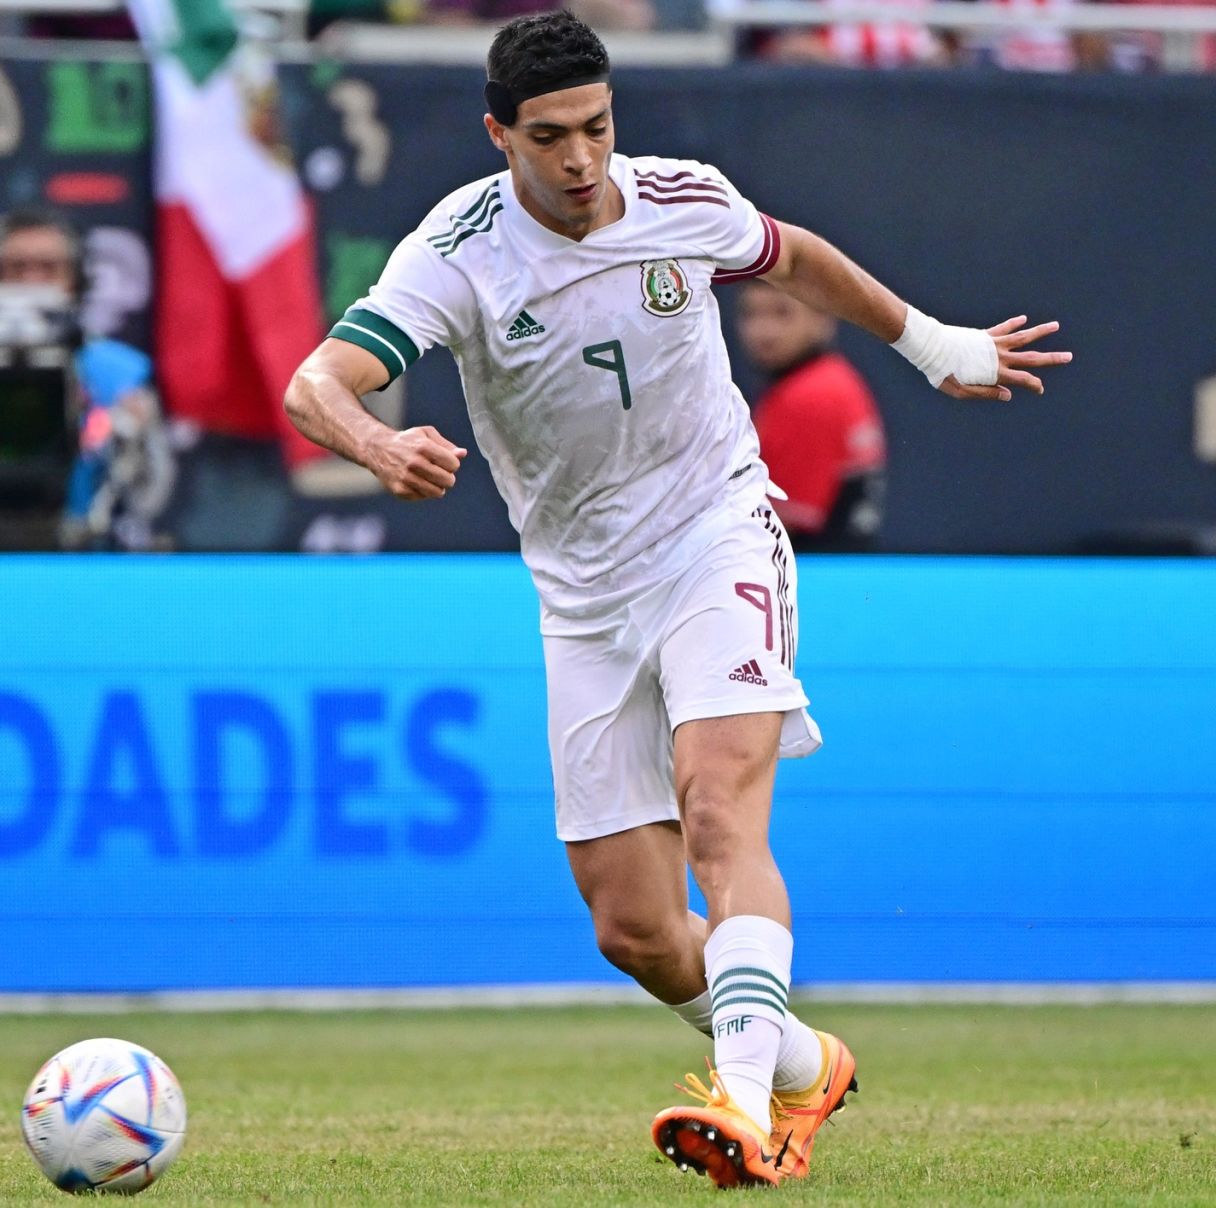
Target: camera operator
[[80, 430]]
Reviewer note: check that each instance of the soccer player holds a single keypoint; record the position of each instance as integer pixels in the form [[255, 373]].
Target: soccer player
[[574, 291]]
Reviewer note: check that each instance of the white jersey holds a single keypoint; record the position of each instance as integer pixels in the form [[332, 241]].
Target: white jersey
[[595, 372]]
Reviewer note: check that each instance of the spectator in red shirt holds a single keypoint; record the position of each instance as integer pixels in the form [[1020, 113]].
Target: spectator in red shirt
[[820, 431]]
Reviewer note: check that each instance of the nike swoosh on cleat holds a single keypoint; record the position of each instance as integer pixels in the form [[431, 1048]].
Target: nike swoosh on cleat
[[827, 1082], [788, 1137]]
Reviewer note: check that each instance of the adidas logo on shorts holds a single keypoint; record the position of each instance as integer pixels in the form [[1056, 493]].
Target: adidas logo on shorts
[[749, 673]]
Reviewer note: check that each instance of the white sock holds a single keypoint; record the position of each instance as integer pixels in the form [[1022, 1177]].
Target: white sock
[[799, 1058], [697, 1012], [747, 965]]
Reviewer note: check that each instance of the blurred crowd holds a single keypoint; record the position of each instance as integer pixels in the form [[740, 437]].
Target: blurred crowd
[[903, 41], [907, 42]]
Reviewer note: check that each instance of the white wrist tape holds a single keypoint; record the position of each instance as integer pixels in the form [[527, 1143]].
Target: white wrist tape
[[939, 350]]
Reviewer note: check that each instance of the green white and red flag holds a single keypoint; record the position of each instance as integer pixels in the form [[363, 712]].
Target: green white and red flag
[[238, 303]]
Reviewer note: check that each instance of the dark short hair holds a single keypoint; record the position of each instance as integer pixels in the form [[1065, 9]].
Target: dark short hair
[[546, 48]]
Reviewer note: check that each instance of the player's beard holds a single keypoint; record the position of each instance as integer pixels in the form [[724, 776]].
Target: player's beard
[[584, 213], [571, 216]]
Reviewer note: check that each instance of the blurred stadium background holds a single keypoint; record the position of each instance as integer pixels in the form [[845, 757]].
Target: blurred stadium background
[[230, 766]]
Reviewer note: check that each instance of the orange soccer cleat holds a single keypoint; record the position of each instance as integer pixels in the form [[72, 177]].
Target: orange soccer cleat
[[718, 1139], [797, 1115]]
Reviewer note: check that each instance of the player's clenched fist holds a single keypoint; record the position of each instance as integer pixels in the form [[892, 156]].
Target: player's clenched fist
[[418, 463]]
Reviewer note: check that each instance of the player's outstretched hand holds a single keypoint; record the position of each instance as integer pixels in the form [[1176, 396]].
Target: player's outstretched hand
[[418, 463], [1010, 338]]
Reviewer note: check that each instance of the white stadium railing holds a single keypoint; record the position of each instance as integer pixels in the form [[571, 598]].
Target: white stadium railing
[[963, 14], [1181, 25]]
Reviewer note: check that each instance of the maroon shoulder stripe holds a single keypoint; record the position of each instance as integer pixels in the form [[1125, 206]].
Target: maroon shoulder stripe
[[769, 251], [701, 186], [677, 176], [675, 199]]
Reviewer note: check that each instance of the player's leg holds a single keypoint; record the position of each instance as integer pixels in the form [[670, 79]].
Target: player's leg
[[736, 705], [634, 883], [609, 738], [724, 770], [635, 886], [729, 685]]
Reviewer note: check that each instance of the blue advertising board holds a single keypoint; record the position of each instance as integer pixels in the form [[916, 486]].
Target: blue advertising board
[[283, 772]]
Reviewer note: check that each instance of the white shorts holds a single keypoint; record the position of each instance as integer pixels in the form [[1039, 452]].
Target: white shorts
[[714, 641]]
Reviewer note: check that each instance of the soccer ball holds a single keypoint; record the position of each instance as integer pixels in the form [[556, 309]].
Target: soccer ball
[[104, 1115]]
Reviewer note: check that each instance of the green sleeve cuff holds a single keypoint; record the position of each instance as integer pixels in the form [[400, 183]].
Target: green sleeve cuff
[[388, 344]]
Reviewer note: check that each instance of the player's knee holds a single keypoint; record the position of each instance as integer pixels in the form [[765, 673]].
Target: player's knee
[[722, 826], [632, 945], [705, 810]]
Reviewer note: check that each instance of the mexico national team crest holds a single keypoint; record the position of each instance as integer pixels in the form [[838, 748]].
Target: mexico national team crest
[[664, 287]]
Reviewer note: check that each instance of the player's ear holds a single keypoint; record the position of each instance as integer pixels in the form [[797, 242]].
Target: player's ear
[[497, 132]]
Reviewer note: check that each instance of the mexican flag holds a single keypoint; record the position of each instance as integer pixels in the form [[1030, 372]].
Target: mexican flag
[[238, 304]]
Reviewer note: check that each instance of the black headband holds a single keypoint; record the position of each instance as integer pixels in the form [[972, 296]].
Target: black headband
[[504, 102]]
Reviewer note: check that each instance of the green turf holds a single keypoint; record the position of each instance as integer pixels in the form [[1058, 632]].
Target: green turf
[[958, 1105]]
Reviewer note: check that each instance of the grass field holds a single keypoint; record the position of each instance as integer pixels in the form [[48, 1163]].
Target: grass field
[[958, 1105]]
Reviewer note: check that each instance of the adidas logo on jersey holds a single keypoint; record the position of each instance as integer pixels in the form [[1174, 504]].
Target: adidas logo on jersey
[[749, 673], [523, 327]]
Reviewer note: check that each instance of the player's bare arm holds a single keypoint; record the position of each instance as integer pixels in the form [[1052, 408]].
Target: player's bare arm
[[962, 362], [323, 401]]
